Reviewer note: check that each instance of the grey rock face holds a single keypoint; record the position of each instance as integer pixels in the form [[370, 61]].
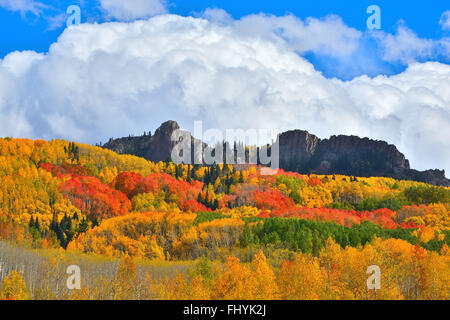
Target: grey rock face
[[302, 152], [350, 155], [154, 148]]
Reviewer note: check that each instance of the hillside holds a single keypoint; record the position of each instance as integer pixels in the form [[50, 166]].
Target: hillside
[[213, 224], [303, 152]]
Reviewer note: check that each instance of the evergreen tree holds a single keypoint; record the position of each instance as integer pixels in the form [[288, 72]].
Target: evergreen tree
[[83, 226], [194, 175], [215, 205], [37, 225], [31, 223]]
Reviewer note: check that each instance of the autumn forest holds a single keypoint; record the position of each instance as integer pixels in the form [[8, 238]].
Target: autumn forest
[[144, 230]]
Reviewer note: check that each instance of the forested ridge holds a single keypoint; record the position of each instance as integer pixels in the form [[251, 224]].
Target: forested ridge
[[166, 231]]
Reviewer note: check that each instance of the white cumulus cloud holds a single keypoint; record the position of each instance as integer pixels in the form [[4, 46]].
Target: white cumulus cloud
[[128, 10], [107, 80], [445, 20], [328, 35], [405, 46], [23, 6]]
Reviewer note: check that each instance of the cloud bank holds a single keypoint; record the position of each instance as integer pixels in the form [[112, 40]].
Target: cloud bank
[[445, 20], [129, 10], [23, 6], [107, 80], [339, 50]]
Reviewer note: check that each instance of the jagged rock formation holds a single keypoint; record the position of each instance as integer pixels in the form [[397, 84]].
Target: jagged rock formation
[[436, 177], [156, 147], [303, 152], [339, 154]]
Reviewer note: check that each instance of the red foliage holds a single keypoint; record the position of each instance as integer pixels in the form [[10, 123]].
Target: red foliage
[[382, 217], [193, 206], [180, 191], [133, 184], [102, 201], [281, 172], [314, 181], [61, 171], [273, 200], [127, 182], [410, 225], [10, 231], [95, 199]]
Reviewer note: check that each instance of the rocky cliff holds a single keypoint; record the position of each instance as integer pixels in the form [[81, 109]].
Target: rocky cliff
[[351, 155], [156, 147], [303, 152]]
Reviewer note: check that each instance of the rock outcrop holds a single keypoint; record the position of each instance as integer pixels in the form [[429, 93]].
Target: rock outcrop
[[155, 147], [303, 152]]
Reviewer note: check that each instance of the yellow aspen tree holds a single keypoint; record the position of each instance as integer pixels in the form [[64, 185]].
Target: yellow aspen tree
[[126, 279], [14, 288], [235, 283], [301, 279], [265, 284]]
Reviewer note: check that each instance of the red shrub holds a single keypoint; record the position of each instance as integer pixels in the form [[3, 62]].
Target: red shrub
[[95, 199]]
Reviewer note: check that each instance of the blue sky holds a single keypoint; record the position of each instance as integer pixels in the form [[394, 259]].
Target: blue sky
[[422, 16], [275, 65], [37, 31]]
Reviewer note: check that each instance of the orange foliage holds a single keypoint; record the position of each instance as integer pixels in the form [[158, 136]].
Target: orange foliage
[[94, 198], [314, 181], [273, 201], [193, 206]]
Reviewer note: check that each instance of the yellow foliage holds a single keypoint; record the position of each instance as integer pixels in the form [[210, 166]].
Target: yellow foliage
[[14, 288]]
